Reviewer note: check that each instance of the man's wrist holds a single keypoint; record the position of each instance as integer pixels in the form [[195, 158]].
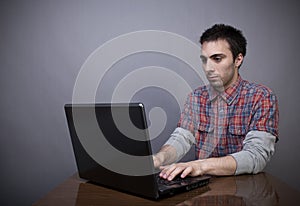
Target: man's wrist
[[218, 165], [203, 166], [160, 156]]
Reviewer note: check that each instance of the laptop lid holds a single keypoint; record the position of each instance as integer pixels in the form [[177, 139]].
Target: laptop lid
[[112, 146]]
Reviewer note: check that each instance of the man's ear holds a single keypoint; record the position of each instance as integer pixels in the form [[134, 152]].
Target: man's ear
[[238, 60]]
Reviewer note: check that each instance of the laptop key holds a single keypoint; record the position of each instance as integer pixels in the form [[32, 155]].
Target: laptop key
[[176, 180]]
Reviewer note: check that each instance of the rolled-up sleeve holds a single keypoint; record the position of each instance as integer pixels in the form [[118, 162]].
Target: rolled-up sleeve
[[182, 140], [258, 148]]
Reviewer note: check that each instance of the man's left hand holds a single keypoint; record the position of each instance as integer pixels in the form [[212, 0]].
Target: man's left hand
[[192, 168]]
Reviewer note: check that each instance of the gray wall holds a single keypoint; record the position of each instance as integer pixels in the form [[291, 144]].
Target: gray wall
[[43, 44]]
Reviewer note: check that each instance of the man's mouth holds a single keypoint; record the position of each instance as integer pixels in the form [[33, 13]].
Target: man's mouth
[[212, 77]]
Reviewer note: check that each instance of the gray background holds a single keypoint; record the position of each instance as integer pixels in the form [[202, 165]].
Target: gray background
[[43, 44]]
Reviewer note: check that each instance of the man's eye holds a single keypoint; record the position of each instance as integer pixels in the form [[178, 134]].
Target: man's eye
[[217, 59]]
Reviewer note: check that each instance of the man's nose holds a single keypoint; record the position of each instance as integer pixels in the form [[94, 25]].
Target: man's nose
[[209, 66]]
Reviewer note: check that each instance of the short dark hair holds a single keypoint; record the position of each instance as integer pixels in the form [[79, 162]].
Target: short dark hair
[[233, 36]]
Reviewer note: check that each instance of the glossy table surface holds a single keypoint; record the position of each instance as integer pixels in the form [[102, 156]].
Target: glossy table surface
[[261, 189]]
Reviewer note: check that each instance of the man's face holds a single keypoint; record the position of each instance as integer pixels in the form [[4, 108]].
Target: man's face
[[218, 64]]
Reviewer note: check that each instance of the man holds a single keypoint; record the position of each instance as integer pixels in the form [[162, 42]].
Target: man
[[233, 123]]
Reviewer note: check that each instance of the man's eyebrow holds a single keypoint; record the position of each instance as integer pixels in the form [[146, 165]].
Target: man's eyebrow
[[217, 55]]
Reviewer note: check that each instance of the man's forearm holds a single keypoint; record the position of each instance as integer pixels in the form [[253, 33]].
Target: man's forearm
[[218, 165], [181, 140], [167, 155]]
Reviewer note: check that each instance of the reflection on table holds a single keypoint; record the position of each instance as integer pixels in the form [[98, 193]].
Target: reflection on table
[[261, 189], [238, 190]]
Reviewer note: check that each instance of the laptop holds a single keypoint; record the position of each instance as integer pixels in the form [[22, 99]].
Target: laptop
[[112, 148]]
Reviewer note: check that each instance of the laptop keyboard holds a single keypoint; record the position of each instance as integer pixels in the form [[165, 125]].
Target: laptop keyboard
[[178, 184], [176, 180]]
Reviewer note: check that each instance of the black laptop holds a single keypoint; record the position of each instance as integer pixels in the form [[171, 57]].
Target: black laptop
[[112, 148]]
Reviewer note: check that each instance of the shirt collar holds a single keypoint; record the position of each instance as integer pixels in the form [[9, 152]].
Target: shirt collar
[[229, 94]]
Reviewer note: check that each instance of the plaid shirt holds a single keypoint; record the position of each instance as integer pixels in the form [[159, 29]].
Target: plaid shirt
[[220, 121]]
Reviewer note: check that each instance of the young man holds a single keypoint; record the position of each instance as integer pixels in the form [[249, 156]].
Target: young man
[[233, 123]]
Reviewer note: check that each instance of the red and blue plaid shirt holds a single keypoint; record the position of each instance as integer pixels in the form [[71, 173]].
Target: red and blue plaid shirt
[[220, 121]]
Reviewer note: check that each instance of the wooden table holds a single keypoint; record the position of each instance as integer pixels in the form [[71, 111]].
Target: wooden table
[[261, 189]]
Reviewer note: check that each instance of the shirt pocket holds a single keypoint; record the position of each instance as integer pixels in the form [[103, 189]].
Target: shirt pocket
[[205, 126], [235, 138]]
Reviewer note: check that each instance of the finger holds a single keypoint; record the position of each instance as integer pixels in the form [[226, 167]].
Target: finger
[[167, 171], [176, 172], [188, 170], [163, 170]]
